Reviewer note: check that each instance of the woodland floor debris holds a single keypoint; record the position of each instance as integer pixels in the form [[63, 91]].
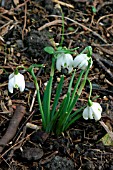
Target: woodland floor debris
[[26, 28]]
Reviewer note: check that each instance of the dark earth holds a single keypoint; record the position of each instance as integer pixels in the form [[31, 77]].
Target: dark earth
[[26, 27]]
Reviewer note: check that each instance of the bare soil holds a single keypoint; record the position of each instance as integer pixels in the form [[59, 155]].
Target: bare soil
[[26, 27]]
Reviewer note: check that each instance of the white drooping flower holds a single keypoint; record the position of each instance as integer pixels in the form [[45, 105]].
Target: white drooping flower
[[16, 81], [65, 61], [92, 112], [81, 61]]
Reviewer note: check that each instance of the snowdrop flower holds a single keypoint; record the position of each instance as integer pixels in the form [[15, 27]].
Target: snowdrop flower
[[81, 61], [66, 61], [92, 112], [16, 81]]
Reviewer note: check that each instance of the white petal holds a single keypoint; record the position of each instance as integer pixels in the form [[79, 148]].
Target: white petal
[[91, 113], [83, 65], [59, 62], [91, 63], [70, 69], [68, 59], [16, 80], [97, 110], [10, 85], [97, 105], [97, 116], [19, 80], [86, 113], [78, 59], [22, 87], [11, 76], [68, 62]]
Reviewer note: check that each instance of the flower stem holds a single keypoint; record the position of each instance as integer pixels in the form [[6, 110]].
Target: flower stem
[[62, 38], [52, 67], [84, 81], [90, 84], [38, 97]]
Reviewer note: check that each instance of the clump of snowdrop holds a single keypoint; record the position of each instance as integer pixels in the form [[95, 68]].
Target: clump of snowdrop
[[92, 111], [81, 61], [65, 61], [16, 80]]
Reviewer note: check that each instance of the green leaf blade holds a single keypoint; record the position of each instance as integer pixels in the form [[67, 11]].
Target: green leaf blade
[[49, 50], [58, 92], [46, 100]]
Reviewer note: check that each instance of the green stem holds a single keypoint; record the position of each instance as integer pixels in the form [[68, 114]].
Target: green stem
[[38, 97], [79, 90], [52, 67], [62, 38], [16, 71], [88, 50], [75, 88], [90, 84], [84, 81]]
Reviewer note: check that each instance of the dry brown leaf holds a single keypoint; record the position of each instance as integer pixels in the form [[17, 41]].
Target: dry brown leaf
[[107, 129]]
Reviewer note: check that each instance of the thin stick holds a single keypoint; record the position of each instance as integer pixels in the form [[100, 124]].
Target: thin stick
[[63, 3], [50, 24]]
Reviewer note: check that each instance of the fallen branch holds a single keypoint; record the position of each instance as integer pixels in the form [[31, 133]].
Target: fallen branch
[[13, 125]]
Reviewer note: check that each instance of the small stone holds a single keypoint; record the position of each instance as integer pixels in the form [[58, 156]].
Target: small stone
[[102, 76], [58, 79], [105, 98], [18, 54], [96, 70], [20, 44], [32, 153]]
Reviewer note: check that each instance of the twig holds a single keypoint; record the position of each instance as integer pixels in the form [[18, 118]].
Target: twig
[[8, 23], [109, 28], [103, 17], [20, 5], [50, 24], [107, 51], [83, 26], [97, 58], [33, 100], [102, 5], [13, 125], [63, 3], [18, 143], [110, 133], [101, 45]]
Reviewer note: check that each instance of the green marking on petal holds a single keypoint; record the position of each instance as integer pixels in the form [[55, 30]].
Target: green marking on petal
[[16, 86]]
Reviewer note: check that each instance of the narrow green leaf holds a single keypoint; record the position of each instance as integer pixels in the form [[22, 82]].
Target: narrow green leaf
[[75, 89], [63, 114], [94, 10], [51, 126], [71, 117], [73, 120], [71, 82], [64, 107], [71, 106], [58, 92], [46, 100]]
